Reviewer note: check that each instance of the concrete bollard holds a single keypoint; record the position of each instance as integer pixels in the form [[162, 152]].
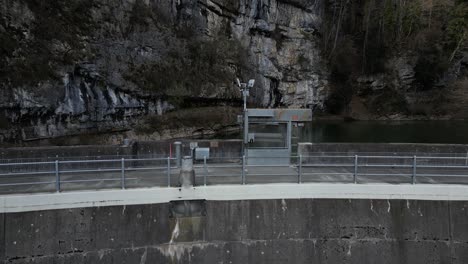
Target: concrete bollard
[[187, 174], [178, 152]]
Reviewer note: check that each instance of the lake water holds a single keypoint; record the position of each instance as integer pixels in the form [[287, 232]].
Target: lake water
[[455, 132]]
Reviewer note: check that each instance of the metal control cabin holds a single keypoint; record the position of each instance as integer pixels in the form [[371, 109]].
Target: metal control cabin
[[270, 135]]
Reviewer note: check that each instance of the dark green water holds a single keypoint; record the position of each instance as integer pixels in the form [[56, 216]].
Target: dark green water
[[455, 132]]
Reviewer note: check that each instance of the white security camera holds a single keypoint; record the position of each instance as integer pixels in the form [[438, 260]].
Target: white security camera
[[251, 83]]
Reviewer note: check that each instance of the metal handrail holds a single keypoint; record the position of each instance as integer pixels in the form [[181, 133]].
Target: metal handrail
[[27, 163], [27, 173], [300, 166]]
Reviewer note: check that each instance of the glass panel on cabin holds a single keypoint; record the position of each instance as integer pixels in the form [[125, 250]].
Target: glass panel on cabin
[[267, 135]]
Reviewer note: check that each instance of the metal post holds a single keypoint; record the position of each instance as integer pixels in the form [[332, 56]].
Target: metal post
[[246, 128], [300, 169], [289, 136], [206, 170], [168, 171], [244, 94], [57, 177], [122, 175], [355, 168], [243, 169], [414, 170]]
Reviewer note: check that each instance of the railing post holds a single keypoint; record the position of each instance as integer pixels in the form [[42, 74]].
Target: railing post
[[168, 171], [205, 169], [300, 170], [122, 175], [243, 169], [57, 176], [355, 168], [414, 170]]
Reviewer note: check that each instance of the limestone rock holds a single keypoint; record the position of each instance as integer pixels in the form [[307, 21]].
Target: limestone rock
[[77, 61]]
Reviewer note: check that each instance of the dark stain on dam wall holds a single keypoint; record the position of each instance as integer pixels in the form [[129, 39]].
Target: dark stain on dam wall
[[257, 231]]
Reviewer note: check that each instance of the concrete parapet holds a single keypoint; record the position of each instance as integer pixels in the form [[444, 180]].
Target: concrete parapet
[[219, 149], [379, 148], [137, 149]]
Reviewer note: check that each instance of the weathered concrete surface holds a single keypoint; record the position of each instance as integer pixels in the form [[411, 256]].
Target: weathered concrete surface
[[255, 231], [2, 237], [218, 148]]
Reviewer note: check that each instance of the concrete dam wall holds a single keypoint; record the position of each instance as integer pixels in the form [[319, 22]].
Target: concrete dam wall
[[247, 231], [218, 148]]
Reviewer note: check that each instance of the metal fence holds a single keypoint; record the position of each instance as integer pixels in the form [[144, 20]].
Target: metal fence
[[90, 171], [124, 172]]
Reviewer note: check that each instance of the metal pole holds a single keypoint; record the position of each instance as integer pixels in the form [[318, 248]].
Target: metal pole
[[168, 171], [57, 177], [414, 170], [246, 129], [244, 93], [206, 170], [246, 118], [300, 169], [243, 169], [289, 136], [122, 175], [355, 168]]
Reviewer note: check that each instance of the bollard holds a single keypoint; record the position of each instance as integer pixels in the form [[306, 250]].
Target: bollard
[[243, 170], [168, 169], [57, 177], [355, 168], [122, 174], [299, 171], [205, 169], [187, 174], [178, 151]]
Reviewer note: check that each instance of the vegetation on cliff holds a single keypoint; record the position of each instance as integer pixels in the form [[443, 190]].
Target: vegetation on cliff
[[50, 37], [83, 65], [366, 38]]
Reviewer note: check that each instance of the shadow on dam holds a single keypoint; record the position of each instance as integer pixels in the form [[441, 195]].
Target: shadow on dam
[[249, 231]]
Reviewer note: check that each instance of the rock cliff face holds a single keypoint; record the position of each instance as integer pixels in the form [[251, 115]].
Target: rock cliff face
[[79, 66], [87, 66]]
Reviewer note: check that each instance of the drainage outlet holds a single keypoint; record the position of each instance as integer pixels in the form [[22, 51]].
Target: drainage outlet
[[188, 208]]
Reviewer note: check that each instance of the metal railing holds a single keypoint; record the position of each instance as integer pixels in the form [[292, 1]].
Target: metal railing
[[147, 172], [348, 168], [54, 172]]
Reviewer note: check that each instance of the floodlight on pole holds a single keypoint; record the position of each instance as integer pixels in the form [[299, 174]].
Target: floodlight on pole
[[245, 87], [251, 83], [238, 82]]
